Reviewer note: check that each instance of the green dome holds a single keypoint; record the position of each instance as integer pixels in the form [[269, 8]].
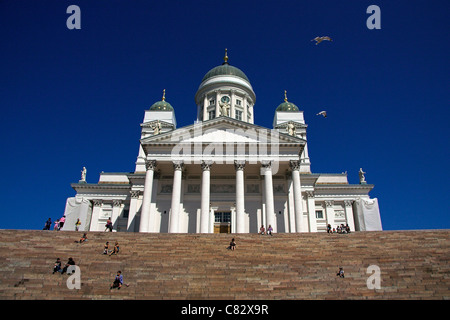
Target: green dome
[[161, 106], [287, 107], [224, 70]]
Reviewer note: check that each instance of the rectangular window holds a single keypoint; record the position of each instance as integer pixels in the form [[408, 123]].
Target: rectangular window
[[212, 114], [319, 214], [212, 102], [227, 217], [238, 102], [222, 217], [238, 114]]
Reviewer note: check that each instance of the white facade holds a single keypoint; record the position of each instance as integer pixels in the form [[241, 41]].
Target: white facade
[[223, 173]]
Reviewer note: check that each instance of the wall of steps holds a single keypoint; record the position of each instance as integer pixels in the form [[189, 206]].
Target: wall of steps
[[413, 264]]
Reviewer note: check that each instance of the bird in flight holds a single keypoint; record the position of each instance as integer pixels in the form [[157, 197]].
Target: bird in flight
[[323, 113], [320, 39]]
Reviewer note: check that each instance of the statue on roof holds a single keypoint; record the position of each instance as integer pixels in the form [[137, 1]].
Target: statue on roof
[[83, 175], [362, 179]]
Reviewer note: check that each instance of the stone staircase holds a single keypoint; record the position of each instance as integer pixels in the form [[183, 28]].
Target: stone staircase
[[413, 265]]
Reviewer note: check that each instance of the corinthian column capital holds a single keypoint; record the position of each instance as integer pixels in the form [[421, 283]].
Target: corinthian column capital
[[295, 165], [206, 165], [239, 164], [178, 165], [150, 164]]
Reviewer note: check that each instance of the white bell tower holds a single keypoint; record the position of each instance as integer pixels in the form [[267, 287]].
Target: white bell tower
[[159, 118], [289, 120]]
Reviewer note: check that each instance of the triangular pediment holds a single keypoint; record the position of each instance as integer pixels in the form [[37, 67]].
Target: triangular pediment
[[151, 124], [297, 125], [223, 130]]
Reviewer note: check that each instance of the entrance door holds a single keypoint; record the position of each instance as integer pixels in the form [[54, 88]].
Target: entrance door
[[222, 222]]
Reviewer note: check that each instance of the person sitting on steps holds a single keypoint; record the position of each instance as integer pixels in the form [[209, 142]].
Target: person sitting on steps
[[232, 245], [57, 266], [118, 281], [105, 248], [115, 249], [69, 263], [262, 230]]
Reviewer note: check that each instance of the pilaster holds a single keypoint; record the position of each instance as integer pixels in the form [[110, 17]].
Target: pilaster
[[95, 214], [311, 211], [117, 208], [348, 207], [329, 209], [131, 224]]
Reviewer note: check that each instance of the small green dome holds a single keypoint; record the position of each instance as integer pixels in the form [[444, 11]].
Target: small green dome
[[161, 106], [223, 70], [287, 107]]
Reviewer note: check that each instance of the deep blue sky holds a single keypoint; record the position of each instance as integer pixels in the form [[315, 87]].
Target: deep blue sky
[[74, 98]]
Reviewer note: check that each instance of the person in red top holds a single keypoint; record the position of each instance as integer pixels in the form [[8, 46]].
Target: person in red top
[[262, 230], [109, 225]]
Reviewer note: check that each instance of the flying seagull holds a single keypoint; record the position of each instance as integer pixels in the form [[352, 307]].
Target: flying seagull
[[320, 39], [324, 113]]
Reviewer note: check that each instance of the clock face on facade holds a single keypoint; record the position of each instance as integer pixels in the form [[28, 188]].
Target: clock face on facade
[[225, 99]]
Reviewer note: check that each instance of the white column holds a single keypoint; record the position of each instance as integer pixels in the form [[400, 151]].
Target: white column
[[244, 106], [217, 103], [176, 197], [266, 170], [133, 210], [311, 211], [233, 105], [205, 108], [147, 198], [349, 214], [211, 221], [298, 201], [205, 212], [240, 207]]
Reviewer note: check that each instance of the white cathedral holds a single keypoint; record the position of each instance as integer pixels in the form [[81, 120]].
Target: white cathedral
[[222, 174]]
